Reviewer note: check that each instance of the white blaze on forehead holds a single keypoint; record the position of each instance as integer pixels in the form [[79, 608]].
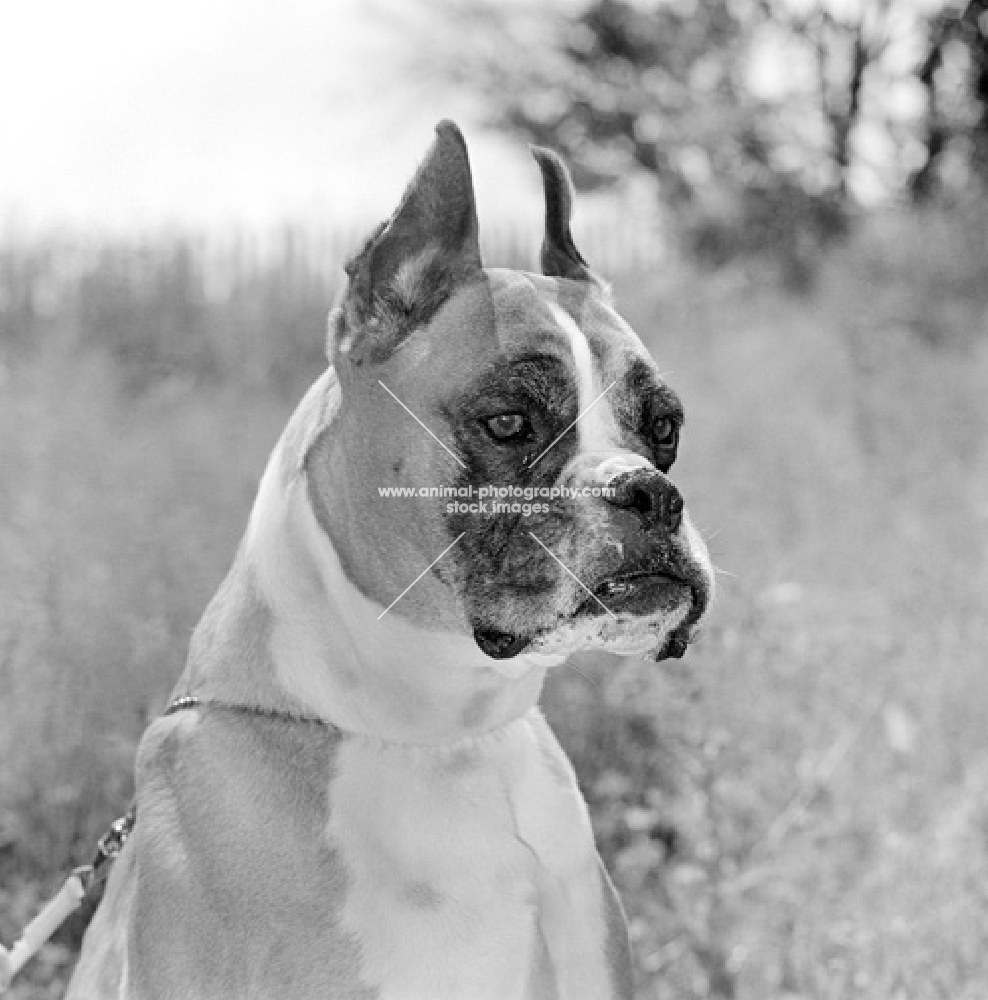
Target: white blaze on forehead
[[597, 428]]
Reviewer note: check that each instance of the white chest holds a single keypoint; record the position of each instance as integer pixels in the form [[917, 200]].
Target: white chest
[[470, 869]]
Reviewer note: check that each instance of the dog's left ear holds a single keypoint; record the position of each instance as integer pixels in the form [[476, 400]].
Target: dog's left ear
[[560, 257], [411, 264]]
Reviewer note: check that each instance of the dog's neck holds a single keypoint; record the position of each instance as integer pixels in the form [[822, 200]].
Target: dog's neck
[[289, 632]]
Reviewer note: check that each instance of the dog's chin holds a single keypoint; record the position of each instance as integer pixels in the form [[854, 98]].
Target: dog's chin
[[657, 636], [648, 615]]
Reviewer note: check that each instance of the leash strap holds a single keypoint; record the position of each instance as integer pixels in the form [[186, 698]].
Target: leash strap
[[69, 898], [39, 930], [77, 886]]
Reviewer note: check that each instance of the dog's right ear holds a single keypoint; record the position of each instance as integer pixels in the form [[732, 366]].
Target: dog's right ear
[[411, 264]]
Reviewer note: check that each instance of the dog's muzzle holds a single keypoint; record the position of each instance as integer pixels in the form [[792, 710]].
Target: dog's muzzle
[[657, 571]]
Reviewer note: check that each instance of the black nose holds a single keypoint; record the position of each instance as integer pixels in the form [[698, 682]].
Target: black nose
[[651, 493]]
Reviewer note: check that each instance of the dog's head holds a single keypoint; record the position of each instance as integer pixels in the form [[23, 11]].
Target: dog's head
[[480, 387]]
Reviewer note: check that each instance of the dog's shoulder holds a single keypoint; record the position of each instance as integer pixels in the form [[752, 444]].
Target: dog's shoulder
[[209, 762], [232, 813]]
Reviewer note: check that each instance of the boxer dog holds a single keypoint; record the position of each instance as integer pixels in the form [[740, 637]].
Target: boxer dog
[[361, 799]]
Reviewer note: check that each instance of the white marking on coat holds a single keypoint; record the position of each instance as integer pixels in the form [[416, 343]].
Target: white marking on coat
[[461, 859], [597, 427]]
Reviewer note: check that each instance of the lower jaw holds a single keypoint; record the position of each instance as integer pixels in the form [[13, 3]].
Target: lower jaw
[[659, 639], [500, 645], [674, 647]]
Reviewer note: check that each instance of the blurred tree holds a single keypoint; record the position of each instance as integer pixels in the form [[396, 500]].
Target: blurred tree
[[661, 90], [954, 74], [666, 90], [842, 45], [613, 86]]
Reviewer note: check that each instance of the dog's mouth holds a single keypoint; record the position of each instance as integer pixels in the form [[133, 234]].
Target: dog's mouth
[[634, 594], [645, 592], [639, 593]]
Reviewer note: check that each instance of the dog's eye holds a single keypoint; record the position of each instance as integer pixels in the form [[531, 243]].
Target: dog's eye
[[665, 432], [506, 426]]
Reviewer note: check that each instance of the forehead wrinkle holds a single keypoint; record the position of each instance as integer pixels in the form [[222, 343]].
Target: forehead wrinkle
[[642, 377], [527, 345], [609, 333], [522, 314], [621, 356], [541, 380]]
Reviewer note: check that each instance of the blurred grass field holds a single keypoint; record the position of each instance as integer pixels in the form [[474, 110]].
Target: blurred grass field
[[797, 810]]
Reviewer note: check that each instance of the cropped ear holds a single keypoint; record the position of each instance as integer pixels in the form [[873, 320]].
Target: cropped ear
[[560, 258], [411, 264]]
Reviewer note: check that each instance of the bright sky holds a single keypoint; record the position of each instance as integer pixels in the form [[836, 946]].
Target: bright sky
[[126, 112], [123, 113]]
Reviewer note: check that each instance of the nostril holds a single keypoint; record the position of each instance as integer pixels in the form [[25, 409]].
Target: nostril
[[643, 500], [651, 495]]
